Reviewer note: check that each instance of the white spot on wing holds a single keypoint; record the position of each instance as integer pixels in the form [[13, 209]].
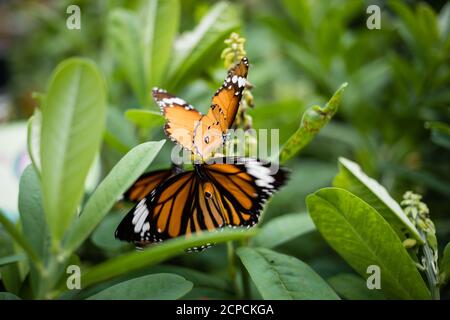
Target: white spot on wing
[[262, 174], [140, 214], [241, 82], [174, 100]]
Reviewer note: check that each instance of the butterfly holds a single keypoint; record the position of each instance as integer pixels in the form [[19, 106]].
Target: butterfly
[[218, 192], [201, 133], [222, 192]]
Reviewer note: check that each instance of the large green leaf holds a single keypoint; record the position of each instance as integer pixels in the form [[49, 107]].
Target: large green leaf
[[283, 229], [161, 20], [352, 287], [73, 117], [139, 259], [161, 286], [121, 177], [363, 238], [353, 179], [194, 49], [278, 276]]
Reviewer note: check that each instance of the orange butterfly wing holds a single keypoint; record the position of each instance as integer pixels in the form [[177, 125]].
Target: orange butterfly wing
[[225, 102], [210, 134], [181, 118], [210, 197], [146, 183]]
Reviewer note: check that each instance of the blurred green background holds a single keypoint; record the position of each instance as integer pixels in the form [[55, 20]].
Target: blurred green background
[[391, 121]]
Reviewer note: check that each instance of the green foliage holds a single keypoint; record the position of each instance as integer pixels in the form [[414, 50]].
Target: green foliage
[[353, 179], [8, 296], [392, 120], [144, 118], [33, 138], [313, 120], [143, 43], [32, 215], [283, 229], [440, 133], [162, 286], [197, 47], [126, 171], [4, 261], [353, 287], [281, 277], [34, 225], [363, 238], [445, 265], [136, 260], [74, 111]]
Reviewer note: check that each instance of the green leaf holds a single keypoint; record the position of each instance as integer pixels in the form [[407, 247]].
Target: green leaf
[[10, 273], [444, 265], [313, 119], [353, 179], [143, 43], [103, 236], [195, 49], [8, 296], [283, 229], [11, 229], [156, 254], [33, 138], [125, 34], [281, 277], [162, 286], [121, 177], [198, 278], [119, 134], [353, 287], [34, 225], [440, 132], [11, 259], [144, 118], [161, 20], [358, 233], [202, 293], [73, 116]]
